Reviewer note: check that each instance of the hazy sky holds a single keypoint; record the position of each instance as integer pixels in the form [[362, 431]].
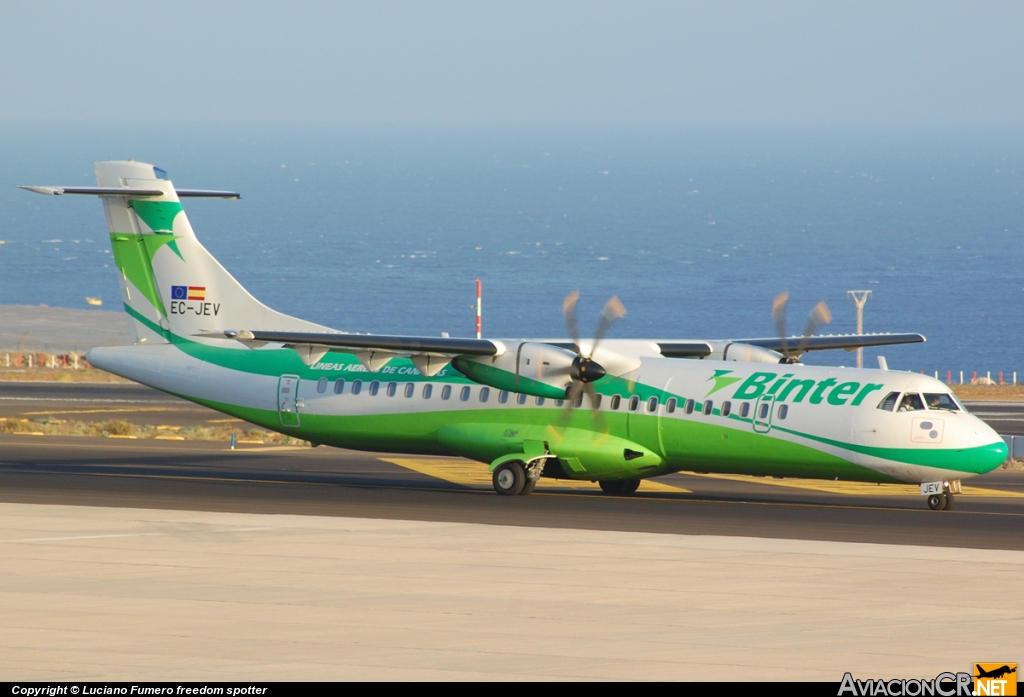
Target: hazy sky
[[514, 62]]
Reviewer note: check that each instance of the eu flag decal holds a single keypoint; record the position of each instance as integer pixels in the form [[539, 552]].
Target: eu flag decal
[[188, 292]]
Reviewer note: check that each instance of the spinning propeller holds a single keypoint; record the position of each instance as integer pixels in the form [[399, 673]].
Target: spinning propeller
[[584, 369], [819, 315]]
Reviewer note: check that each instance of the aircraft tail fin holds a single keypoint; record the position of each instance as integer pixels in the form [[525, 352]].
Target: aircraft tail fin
[[170, 284]]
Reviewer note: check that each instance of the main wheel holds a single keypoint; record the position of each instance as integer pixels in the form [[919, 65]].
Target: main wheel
[[528, 486], [612, 486], [619, 487], [509, 478], [937, 502], [949, 503]]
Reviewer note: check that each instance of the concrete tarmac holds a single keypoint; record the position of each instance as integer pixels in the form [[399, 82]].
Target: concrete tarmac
[[90, 593], [184, 560], [191, 475]]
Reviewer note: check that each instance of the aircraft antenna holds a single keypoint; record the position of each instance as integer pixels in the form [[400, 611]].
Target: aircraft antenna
[[860, 297]]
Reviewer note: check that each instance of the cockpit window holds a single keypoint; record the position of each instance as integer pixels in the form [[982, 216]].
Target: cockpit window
[[940, 401], [911, 402], [889, 403]]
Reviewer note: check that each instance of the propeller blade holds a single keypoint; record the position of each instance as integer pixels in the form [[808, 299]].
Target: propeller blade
[[595, 413], [613, 310], [779, 316], [572, 394], [569, 314], [819, 315]]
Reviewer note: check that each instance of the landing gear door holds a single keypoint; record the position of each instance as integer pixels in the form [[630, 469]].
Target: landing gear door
[[287, 400], [763, 409]]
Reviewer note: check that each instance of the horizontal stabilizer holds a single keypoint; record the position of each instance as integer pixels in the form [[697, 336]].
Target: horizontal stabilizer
[[126, 191]]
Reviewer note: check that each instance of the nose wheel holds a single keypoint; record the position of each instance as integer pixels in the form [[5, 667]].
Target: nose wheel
[[941, 502]]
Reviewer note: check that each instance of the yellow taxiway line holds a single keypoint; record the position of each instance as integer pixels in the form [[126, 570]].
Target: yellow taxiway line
[[475, 475]]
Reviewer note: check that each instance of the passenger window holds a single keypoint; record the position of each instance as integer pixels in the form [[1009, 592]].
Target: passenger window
[[889, 402], [652, 404], [745, 409], [726, 408], [559, 402], [763, 411], [427, 391], [503, 396], [392, 389], [595, 401], [911, 402], [339, 385], [670, 405], [520, 398], [783, 411], [634, 403], [357, 386], [540, 401], [464, 395], [708, 406], [409, 389], [374, 388], [485, 393], [940, 401], [321, 385], [688, 407], [616, 401], [578, 402], [446, 392]]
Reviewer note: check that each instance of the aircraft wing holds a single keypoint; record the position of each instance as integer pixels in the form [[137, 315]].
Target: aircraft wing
[[383, 342], [850, 342], [429, 354]]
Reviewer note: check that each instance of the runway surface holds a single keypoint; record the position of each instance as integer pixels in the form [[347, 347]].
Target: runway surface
[[196, 475], [170, 560], [331, 482]]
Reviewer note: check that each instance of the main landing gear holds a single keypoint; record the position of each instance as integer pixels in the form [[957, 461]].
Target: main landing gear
[[619, 487], [513, 478]]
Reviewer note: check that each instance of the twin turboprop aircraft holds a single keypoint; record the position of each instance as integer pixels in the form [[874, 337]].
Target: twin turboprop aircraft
[[652, 407]]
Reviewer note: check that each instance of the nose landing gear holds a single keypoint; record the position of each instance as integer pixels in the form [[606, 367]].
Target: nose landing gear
[[942, 500]]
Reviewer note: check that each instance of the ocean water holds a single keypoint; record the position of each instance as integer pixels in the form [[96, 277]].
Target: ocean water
[[384, 229]]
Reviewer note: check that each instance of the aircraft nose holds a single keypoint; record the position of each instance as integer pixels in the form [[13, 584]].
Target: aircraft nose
[[986, 449]]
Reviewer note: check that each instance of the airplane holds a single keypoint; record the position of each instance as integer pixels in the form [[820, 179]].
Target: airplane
[[653, 407], [995, 673]]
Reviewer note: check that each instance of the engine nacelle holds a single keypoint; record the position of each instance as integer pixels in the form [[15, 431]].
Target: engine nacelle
[[745, 353], [537, 369]]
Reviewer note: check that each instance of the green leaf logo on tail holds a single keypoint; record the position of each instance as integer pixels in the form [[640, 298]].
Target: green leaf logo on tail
[[721, 381]]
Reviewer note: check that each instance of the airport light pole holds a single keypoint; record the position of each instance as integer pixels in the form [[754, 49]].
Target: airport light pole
[[860, 297], [479, 307]]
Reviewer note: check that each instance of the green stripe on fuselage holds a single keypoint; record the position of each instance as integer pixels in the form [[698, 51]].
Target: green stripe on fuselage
[[691, 444]]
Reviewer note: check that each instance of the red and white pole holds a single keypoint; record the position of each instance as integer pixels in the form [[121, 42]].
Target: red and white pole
[[478, 308]]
